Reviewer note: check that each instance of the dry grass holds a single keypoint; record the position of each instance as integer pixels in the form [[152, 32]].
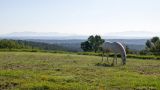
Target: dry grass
[[47, 71]]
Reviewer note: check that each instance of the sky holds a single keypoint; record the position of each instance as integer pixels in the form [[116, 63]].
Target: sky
[[81, 17]]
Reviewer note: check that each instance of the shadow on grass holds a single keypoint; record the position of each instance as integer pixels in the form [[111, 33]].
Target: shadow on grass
[[104, 64]]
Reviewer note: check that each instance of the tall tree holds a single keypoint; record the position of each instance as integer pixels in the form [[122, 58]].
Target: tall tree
[[155, 39], [93, 43], [153, 45], [86, 46]]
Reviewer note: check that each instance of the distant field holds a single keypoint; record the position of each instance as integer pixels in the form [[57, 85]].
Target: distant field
[[53, 71]]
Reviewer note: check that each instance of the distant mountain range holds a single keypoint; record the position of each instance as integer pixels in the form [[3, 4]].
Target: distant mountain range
[[62, 36], [135, 33], [41, 35], [37, 34]]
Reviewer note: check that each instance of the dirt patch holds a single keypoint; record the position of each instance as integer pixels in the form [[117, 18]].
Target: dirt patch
[[7, 85], [103, 64]]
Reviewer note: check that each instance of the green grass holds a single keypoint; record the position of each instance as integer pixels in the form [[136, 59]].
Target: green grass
[[54, 71], [136, 56]]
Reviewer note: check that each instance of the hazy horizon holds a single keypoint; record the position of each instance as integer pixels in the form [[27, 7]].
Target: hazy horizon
[[61, 36], [80, 17]]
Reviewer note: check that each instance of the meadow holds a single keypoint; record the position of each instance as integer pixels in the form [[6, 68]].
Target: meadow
[[58, 71]]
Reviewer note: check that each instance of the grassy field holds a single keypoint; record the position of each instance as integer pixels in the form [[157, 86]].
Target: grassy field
[[53, 71]]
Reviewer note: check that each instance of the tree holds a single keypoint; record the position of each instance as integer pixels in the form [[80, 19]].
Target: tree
[[86, 46], [153, 45], [148, 44], [155, 39], [93, 43]]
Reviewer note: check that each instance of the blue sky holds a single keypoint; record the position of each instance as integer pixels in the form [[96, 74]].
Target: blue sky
[[83, 17]]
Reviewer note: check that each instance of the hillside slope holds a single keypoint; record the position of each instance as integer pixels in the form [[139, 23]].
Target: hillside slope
[[39, 71]]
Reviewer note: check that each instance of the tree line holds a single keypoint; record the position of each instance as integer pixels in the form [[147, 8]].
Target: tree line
[[92, 44], [12, 44], [22, 44]]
